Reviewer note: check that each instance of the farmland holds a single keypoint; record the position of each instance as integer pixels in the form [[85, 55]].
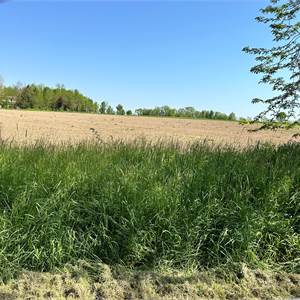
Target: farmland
[[132, 162], [133, 219], [56, 127]]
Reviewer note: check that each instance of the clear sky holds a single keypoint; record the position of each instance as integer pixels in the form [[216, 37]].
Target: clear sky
[[138, 53]]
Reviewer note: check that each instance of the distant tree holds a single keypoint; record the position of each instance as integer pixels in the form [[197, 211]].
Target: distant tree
[[120, 109], [281, 117], [280, 64], [103, 107], [220, 116], [139, 111], [60, 104], [167, 111], [128, 112], [25, 98], [46, 98], [110, 110], [232, 117], [211, 114], [187, 112]]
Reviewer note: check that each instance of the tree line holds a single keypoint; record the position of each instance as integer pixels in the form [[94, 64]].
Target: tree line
[[59, 98], [186, 112], [167, 111], [41, 97]]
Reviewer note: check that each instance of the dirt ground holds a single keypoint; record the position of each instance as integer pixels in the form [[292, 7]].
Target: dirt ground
[[55, 127]]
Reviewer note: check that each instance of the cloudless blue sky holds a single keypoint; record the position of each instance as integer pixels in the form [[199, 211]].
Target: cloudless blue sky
[[138, 53]]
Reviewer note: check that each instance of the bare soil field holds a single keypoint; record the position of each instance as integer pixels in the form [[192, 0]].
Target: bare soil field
[[56, 127]]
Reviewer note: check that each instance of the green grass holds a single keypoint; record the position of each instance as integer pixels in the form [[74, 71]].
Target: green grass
[[145, 206]]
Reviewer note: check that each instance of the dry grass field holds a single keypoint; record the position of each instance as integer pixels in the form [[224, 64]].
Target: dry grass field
[[55, 127]]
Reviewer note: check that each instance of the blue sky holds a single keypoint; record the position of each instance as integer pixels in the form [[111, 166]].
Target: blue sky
[[138, 53]]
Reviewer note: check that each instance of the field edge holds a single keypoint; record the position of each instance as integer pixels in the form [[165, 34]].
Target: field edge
[[100, 281]]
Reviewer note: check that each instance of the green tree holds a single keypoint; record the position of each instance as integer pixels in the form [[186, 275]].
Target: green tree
[[189, 111], [139, 111], [46, 98], [110, 110], [280, 65], [232, 117], [120, 109], [129, 112], [60, 104], [25, 98], [211, 115], [103, 107]]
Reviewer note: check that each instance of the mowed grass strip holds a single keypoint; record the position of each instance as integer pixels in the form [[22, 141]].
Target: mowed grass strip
[[143, 205]]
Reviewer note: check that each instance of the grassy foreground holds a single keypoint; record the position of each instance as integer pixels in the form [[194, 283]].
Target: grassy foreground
[[149, 207]]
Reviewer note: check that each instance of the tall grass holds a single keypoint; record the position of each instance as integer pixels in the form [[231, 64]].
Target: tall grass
[[146, 205]]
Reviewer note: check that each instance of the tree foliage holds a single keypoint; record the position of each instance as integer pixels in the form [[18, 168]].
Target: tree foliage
[[103, 107], [280, 65], [186, 112], [45, 98], [110, 110], [120, 109]]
